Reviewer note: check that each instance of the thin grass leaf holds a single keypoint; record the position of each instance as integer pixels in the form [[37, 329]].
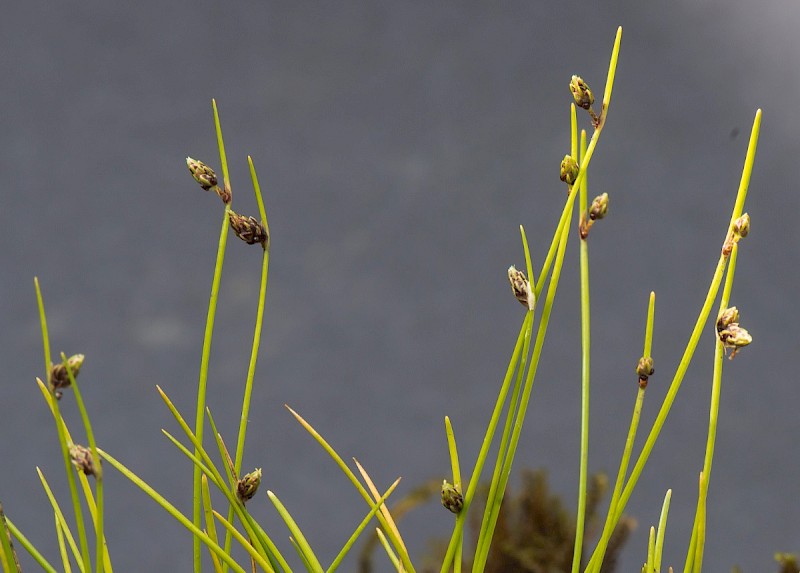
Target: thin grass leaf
[[258, 536], [651, 551], [364, 522], [265, 545], [227, 462], [206, 471], [211, 528], [265, 541], [388, 548], [8, 557], [245, 543], [62, 547], [172, 510], [29, 547], [300, 539], [353, 479], [306, 564], [384, 510], [662, 530], [61, 520]]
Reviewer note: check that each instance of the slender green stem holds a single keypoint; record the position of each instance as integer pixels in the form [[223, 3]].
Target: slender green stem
[[458, 530], [608, 528], [212, 311], [76, 504], [585, 368], [527, 251], [697, 565], [29, 547], [456, 467], [495, 496], [259, 199], [480, 560], [100, 544], [716, 386], [612, 70], [696, 332], [43, 323], [251, 370]]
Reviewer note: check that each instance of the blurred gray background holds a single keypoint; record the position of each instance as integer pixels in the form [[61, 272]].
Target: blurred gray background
[[399, 146]]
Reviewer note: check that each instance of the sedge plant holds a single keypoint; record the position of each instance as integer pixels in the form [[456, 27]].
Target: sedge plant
[[217, 530]]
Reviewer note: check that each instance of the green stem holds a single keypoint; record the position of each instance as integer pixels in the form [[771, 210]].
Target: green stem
[[495, 497], [480, 560], [262, 293], [203, 381], [716, 386], [608, 528], [696, 332], [458, 530], [100, 544], [76, 504], [585, 368]]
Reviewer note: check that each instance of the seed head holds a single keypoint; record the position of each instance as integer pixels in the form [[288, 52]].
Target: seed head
[[730, 333], [59, 376], [581, 93], [247, 487], [599, 207], [82, 459], [451, 497], [742, 226], [739, 230], [248, 229], [202, 173], [727, 317], [521, 288], [569, 170], [644, 369]]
